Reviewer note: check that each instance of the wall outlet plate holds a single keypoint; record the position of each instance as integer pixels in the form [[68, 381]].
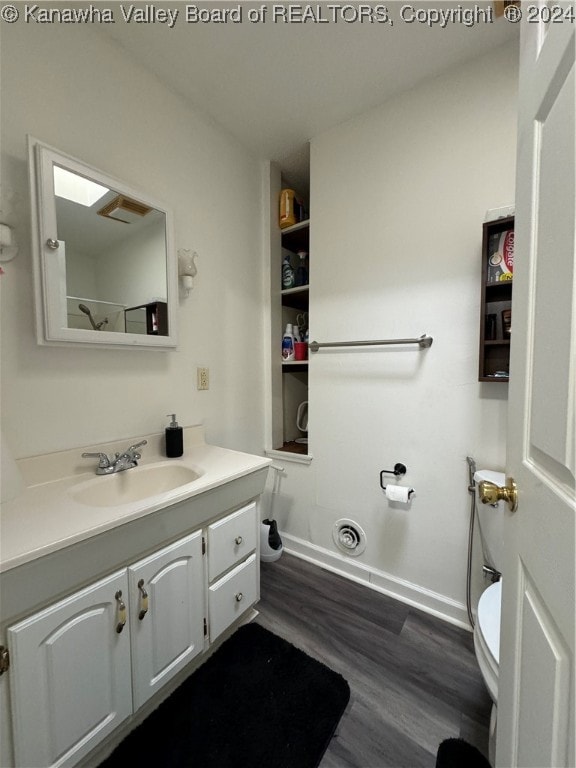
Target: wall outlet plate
[[203, 378]]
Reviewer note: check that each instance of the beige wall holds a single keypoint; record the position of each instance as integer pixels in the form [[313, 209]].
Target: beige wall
[[72, 89], [398, 200]]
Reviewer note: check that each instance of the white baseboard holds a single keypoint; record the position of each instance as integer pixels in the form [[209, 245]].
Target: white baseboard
[[424, 599]]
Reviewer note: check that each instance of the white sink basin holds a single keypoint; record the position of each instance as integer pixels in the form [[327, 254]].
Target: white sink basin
[[133, 485]]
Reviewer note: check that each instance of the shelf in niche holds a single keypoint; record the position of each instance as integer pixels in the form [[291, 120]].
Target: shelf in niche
[[297, 298], [296, 227], [293, 447], [294, 366], [497, 342], [297, 237], [297, 289]]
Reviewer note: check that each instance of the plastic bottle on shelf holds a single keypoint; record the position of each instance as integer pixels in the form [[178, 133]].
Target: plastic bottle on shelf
[[301, 271], [288, 276], [292, 208], [287, 208], [288, 344]]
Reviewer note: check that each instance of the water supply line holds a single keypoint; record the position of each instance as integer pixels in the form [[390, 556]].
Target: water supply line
[[472, 491], [488, 570]]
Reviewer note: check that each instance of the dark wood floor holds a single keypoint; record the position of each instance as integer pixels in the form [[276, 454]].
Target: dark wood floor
[[414, 679]]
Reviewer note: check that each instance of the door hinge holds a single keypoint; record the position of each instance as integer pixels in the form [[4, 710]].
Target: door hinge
[[4, 659], [203, 545], [205, 627]]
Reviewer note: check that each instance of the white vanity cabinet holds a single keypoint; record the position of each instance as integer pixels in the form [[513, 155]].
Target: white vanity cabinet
[[70, 674], [232, 568], [84, 665]]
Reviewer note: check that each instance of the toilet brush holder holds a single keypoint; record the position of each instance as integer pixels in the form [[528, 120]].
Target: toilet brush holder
[[270, 542]]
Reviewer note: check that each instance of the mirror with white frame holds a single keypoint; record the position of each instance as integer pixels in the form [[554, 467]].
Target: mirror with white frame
[[105, 269]]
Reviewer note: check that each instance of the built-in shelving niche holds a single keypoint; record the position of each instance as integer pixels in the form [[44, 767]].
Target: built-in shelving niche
[[289, 379]]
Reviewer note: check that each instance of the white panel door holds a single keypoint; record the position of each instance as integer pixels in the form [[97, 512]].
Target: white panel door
[[167, 613], [70, 676], [536, 715]]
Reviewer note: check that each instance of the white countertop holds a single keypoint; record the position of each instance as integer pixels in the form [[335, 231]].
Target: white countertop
[[45, 517]]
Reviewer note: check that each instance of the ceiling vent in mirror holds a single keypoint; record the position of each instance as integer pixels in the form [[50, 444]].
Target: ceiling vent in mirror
[[124, 209]]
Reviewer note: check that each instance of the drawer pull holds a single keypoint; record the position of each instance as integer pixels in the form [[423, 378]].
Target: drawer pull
[[121, 611], [239, 596], [143, 600], [238, 540]]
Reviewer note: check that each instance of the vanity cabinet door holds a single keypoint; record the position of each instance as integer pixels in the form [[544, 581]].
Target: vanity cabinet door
[[166, 614], [70, 674]]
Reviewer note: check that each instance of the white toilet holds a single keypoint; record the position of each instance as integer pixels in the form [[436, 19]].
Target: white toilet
[[487, 629]]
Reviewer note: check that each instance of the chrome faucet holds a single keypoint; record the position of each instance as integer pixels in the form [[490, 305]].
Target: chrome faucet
[[119, 462]]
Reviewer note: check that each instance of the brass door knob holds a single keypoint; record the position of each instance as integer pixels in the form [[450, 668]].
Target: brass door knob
[[490, 493]]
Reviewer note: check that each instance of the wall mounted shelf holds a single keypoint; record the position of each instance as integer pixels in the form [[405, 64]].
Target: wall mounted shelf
[[495, 301]]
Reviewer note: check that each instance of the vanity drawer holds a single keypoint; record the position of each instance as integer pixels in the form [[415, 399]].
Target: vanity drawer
[[232, 595], [230, 540]]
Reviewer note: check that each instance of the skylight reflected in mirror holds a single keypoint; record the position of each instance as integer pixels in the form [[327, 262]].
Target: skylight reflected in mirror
[[77, 188]]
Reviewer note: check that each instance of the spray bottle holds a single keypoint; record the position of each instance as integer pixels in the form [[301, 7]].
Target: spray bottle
[[302, 272], [288, 274], [288, 344]]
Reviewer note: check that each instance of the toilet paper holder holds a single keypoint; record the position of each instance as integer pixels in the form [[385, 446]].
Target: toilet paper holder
[[398, 471]]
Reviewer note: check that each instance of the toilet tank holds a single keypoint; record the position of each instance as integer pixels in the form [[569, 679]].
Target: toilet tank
[[491, 520]]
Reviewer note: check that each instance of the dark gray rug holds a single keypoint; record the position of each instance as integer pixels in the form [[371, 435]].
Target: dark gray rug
[[257, 702], [457, 753]]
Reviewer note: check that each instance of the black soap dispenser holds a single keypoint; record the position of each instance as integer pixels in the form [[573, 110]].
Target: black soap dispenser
[[174, 439]]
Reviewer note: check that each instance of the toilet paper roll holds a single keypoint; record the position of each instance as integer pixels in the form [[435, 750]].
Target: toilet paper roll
[[398, 493]]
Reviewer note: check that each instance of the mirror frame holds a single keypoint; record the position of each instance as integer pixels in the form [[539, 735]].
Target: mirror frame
[[49, 287]]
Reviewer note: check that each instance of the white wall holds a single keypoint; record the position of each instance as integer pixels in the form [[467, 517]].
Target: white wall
[[72, 89], [133, 272], [398, 198]]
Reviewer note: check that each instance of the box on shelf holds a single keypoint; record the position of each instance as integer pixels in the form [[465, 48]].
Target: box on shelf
[[500, 265]]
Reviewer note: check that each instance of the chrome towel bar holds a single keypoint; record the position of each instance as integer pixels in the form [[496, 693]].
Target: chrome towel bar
[[423, 342]]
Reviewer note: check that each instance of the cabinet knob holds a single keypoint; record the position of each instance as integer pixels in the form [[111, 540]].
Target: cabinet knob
[[143, 600], [121, 611], [238, 540], [52, 244], [239, 596]]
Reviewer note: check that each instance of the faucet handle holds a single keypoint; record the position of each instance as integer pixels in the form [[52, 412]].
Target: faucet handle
[[103, 460]]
